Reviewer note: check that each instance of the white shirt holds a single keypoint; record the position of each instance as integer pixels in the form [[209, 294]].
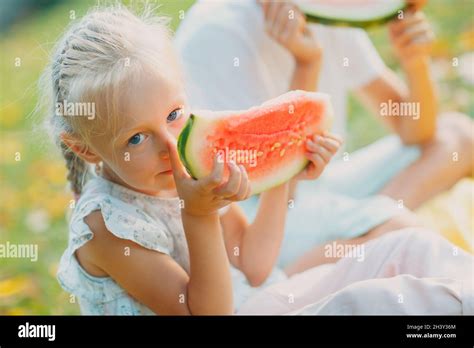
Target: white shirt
[[230, 62]]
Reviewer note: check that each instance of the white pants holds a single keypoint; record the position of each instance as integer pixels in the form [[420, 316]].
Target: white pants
[[410, 271]]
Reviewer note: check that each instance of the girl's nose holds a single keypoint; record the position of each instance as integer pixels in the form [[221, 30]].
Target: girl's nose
[[166, 138], [164, 155]]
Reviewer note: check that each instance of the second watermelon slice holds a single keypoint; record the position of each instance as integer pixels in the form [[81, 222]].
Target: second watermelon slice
[[355, 13]]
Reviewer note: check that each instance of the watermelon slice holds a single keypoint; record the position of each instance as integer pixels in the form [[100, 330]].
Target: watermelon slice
[[355, 13], [269, 140]]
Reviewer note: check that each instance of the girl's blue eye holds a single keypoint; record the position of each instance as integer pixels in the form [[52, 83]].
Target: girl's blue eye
[[136, 139], [174, 115]]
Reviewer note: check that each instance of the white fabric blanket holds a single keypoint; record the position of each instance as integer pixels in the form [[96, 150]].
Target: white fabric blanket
[[410, 271]]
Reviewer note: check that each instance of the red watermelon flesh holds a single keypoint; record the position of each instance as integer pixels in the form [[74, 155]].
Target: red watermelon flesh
[[269, 140]]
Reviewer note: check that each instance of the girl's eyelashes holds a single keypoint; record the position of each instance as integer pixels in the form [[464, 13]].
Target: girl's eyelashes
[[174, 115], [137, 139]]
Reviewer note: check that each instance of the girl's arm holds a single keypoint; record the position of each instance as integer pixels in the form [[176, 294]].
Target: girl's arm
[[254, 248], [209, 289], [285, 23], [411, 39], [154, 278]]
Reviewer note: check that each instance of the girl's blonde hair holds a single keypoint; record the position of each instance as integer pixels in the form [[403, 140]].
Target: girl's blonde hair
[[101, 59]]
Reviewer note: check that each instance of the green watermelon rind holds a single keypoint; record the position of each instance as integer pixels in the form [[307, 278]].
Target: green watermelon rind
[[182, 142], [345, 22]]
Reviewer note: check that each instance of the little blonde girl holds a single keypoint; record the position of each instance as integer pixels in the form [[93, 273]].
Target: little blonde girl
[[134, 246], [145, 238]]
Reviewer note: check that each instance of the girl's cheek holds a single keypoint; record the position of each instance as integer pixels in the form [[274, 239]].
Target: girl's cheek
[[137, 159]]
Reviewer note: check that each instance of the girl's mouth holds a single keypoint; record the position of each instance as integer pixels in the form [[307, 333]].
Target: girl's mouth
[[167, 172]]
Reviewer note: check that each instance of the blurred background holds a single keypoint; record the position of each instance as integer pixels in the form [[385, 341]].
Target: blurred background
[[34, 198]]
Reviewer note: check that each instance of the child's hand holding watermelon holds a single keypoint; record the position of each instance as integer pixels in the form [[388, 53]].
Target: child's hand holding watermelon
[[411, 37], [286, 24], [319, 152], [206, 195]]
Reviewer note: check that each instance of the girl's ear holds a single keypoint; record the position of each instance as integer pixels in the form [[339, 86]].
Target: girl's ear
[[79, 148]]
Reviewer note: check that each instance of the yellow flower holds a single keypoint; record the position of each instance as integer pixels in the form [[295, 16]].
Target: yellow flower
[[16, 311], [441, 48], [10, 201], [10, 114], [52, 171], [11, 148], [15, 286], [57, 204], [56, 172], [467, 39]]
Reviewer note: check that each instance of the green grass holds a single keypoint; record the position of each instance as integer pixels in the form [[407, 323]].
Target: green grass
[[36, 183]]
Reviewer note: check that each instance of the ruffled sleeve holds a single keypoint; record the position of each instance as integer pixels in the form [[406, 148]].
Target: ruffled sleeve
[[125, 221]]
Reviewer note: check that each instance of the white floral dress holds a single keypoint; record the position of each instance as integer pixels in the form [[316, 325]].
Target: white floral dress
[[150, 221]]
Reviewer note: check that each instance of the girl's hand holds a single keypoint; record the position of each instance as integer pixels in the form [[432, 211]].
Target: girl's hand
[[206, 195], [411, 37], [285, 23], [319, 151]]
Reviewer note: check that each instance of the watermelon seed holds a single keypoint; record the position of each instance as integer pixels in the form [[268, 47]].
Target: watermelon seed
[[290, 143], [274, 146], [259, 154], [282, 152], [299, 142]]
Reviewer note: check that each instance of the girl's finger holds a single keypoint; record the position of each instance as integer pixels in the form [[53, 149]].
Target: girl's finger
[[233, 183], [329, 144], [282, 22], [409, 19], [311, 146], [324, 153], [296, 24], [316, 159], [179, 171], [410, 33], [271, 15], [402, 25], [421, 39], [333, 136], [244, 185], [214, 179], [264, 4], [423, 35]]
